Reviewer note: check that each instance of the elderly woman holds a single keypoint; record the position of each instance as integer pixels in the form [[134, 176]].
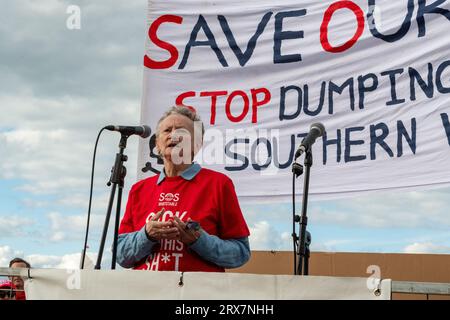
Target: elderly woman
[[187, 218]]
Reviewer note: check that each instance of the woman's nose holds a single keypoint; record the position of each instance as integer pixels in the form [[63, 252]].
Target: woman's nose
[[172, 134]]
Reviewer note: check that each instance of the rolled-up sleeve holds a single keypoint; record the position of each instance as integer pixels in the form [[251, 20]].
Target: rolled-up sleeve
[[231, 253], [133, 247]]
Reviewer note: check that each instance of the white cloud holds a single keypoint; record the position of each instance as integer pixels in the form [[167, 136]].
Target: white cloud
[[30, 140], [31, 203], [263, 236], [72, 227], [7, 254], [43, 261], [67, 261], [427, 209], [48, 128], [333, 245], [426, 247], [13, 225], [52, 155], [407, 210], [50, 7]]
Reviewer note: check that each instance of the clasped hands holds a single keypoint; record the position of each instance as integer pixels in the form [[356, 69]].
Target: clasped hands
[[171, 230]]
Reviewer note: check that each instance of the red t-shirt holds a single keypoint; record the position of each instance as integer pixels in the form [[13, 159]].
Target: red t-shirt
[[209, 198], [20, 295]]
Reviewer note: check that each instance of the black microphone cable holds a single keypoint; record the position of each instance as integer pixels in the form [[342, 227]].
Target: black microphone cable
[[90, 199]]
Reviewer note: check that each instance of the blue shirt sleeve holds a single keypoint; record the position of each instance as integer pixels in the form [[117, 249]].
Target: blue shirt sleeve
[[231, 253], [133, 247]]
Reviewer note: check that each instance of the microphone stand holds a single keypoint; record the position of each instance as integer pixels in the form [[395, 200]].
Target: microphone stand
[[117, 179], [303, 242], [149, 167]]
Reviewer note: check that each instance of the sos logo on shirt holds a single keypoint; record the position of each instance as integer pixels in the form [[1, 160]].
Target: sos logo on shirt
[[168, 199]]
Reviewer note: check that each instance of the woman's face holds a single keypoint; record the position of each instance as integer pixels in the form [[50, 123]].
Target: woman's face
[[175, 141]]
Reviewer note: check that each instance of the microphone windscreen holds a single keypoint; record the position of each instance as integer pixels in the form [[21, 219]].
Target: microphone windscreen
[[147, 131], [318, 126]]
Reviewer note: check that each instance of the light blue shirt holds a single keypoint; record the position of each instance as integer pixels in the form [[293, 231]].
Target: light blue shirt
[[135, 246]]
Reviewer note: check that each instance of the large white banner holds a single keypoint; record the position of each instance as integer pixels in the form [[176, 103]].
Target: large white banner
[[260, 72], [48, 284]]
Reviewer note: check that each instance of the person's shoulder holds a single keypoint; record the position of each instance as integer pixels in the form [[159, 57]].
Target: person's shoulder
[[144, 183], [215, 175]]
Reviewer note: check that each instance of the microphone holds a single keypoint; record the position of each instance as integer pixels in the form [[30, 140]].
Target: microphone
[[316, 130], [143, 131]]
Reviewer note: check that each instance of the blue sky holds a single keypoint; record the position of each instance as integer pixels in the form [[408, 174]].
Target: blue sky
[[58, 87]]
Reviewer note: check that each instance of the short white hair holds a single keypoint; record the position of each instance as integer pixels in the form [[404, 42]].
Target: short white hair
[[184, 111]]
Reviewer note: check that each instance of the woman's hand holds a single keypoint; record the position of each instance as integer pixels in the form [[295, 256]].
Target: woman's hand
[[187, 236], [158, 230]]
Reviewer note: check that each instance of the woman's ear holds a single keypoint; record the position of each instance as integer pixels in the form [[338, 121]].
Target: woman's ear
[[197, 146], [157, 148]]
